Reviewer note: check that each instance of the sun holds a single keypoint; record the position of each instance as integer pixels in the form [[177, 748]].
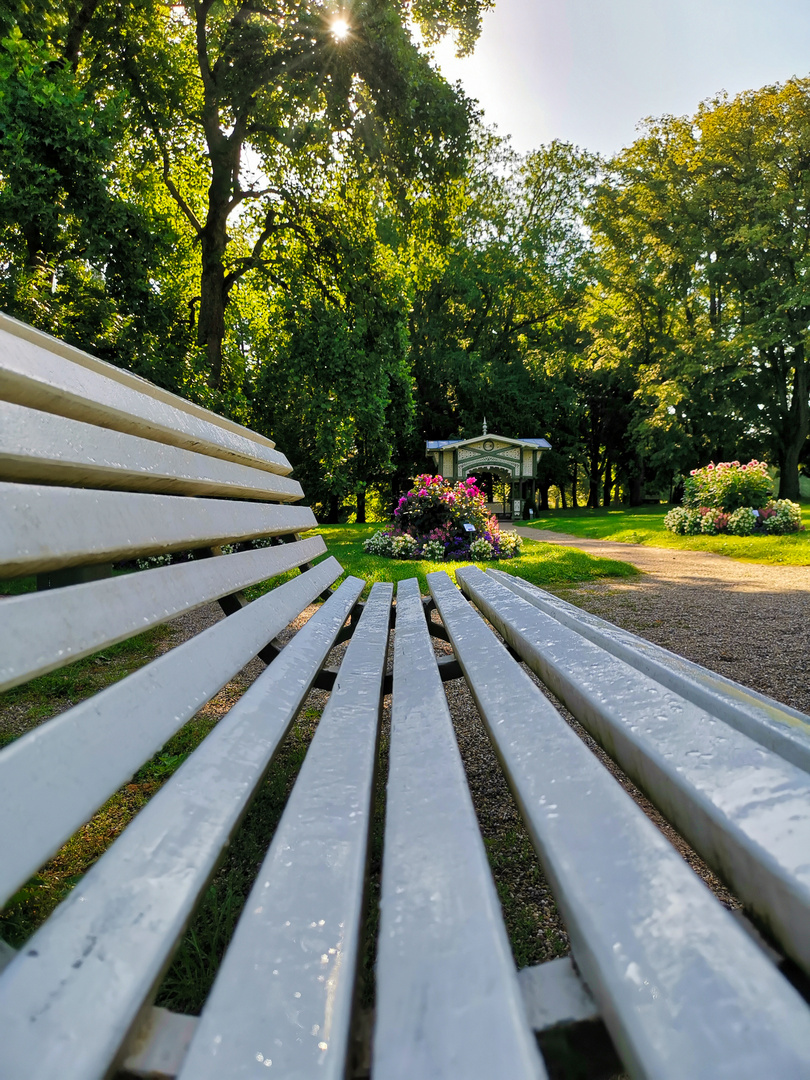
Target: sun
[[340, 29]]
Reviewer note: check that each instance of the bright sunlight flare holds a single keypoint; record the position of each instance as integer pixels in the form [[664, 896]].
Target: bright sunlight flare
[[340, 29]]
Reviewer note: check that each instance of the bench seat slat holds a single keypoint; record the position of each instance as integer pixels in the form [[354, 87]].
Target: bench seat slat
[[775, 726], [55, 777], [50, 528], [682, 989], [70, 998], [38, 447], [448, 1000], [285, 990], [99, 394], [46, 630], [745, 810]]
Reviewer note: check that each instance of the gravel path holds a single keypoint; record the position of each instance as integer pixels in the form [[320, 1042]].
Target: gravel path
[[747, 621]]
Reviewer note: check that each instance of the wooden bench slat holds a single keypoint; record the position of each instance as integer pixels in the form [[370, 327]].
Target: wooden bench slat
[[54, 777], [50, 528], [745, 810], [127, 378], [97, 394], [38, 447], [285, 990], [43, 631], [681, 988], [72, 995], [448, 1001], [775, 726]]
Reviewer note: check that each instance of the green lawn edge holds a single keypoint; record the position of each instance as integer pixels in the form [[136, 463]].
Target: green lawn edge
[[542, 564], [644, 525]]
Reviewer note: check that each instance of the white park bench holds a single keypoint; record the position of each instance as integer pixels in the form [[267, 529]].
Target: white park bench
[[98, 466]]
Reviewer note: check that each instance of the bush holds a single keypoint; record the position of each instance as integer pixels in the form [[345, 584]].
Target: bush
[[403, 546], [728, 486], [713, 521], [433, 549], [380, 543], [508, 545], [684, 522], [437, 510], [742, 522], [781, 516], [480, 549]]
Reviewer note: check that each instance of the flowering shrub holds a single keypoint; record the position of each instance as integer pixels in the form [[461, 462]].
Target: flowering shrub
[[508, 545], [742, 522], [429, 522], [728, 486], [734, 498], [480, 549], [433, 549], [379, 544], [712, 521], [437, 510], [781, 516], [403, 546], [684, 522]]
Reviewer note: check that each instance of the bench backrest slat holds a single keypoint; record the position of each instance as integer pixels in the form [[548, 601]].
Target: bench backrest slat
[[134, 903], [775, 726], [285, 990], [49, 528], [682, 989], [448, 1001], [86, 753], [13, 328], [37, 447], [697, 770], [46, 630], [37, 378]]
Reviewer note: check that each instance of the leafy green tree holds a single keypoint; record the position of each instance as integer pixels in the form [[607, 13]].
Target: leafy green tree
[[332, 379], [80, 253]]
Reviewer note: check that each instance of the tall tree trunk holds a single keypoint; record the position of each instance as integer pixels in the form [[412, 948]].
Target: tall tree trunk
[[795, 429], [544, 496], [574, 481], [608, 488], [562, 497], [361, 507], [333, 516], [213, 292]]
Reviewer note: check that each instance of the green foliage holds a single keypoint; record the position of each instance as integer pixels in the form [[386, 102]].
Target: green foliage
[[81, 253], [728, 486]]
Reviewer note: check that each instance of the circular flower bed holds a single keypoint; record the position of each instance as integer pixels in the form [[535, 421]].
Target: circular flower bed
[[732, 498], [437, 520]]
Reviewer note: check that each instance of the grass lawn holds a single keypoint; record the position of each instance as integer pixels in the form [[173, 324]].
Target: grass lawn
[[645, 525], [542, 564]]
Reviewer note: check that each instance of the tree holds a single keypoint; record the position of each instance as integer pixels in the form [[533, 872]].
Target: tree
[[269, 95], [332, 381], [81, 254], [505, 294]]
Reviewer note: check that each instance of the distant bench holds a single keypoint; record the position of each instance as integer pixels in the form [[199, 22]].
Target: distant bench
[[98, 466]]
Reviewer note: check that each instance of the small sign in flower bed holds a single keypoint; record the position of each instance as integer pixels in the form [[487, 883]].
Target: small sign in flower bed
[[732, 498], [437, 520]]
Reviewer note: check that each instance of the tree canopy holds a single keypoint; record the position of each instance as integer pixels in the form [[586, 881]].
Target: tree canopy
[[297, 221]]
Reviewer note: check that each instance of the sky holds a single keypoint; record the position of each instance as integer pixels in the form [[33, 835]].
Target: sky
[[587, 71]]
